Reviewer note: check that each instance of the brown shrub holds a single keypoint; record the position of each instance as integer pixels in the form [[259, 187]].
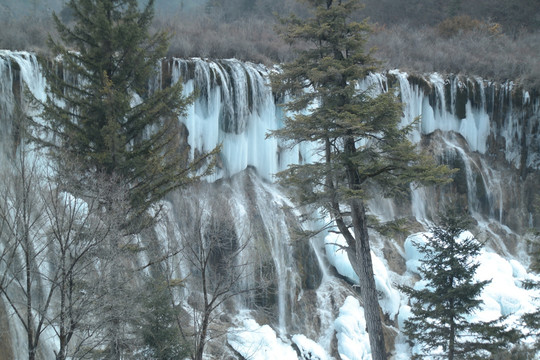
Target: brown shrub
[[468, 47], [26, 33], [458, 25], [475, 53], [205, 36]]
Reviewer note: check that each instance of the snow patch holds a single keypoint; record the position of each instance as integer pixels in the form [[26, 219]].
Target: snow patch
[[309, 349], [504, 289], [353, 340], [335, 246], [337, 256], [413, 256], [256, 342]]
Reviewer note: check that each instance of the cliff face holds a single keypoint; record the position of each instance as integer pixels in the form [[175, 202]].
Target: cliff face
[[490, 132], [487, 130]]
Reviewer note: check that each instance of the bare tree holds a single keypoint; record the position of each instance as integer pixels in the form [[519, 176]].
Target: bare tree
[[75, 234], [113, 281], [26, 278], [213, 249], [49, 240]]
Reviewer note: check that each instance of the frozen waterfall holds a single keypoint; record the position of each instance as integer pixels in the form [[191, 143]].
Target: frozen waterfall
[[489, 131]]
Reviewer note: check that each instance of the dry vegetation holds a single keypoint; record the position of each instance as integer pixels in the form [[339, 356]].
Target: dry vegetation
[[498, 57], [252, 39], [495, 39], [26, 33]]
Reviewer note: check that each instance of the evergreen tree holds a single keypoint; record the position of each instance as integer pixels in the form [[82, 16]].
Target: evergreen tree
[[532, 320], [106, 126], [101, 114], [441, 311], [361, 145], [160, 331]]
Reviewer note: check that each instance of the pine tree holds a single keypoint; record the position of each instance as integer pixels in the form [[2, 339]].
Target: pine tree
[[101, 115], [160, 331], [360, 142], [532, 320], [107, 126], [441, 311]]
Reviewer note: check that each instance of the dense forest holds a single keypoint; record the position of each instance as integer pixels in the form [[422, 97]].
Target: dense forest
[[498, 40]]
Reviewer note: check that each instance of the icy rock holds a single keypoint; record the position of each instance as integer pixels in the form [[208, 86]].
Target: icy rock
[[502, 296], [391, 300], [404, 314], [518, 270], [353, 340], [256, 342], [309, 349], [502, 288], [337, 256]]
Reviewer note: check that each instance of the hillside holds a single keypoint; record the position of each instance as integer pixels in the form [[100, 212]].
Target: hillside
[[497, 40]]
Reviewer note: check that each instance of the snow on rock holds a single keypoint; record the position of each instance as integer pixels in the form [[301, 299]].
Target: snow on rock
[[518, 270], [402, 348], [353, 340], [413, 256], [77, 206], [404, 314], [337, 256], [391, 299], [503, 288], [256, 342], [309, 349]]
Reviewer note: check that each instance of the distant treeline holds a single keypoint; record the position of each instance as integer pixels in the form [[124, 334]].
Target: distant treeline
[[495, 39]]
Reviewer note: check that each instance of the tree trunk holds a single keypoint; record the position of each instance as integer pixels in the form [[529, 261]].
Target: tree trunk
[[360, 257], [203, 329], [115, 326], [452, 337], [451, 342], [202, 336], [32, 342], [29, 318], [364, 270], [62, 329]]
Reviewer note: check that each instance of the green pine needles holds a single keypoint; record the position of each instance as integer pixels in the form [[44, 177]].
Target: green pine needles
[[361, 148], [441, 324], [161, 333], [532, 320], [101, 116]]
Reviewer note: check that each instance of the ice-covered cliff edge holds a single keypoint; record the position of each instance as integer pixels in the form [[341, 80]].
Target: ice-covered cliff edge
[[491, 132]]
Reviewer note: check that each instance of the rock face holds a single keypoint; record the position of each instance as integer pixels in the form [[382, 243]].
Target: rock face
[[490, 132]]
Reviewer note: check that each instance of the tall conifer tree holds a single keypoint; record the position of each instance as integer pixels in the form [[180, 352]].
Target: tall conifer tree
[[358, 135], [440, 311], [107, 127], [101, 114]]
